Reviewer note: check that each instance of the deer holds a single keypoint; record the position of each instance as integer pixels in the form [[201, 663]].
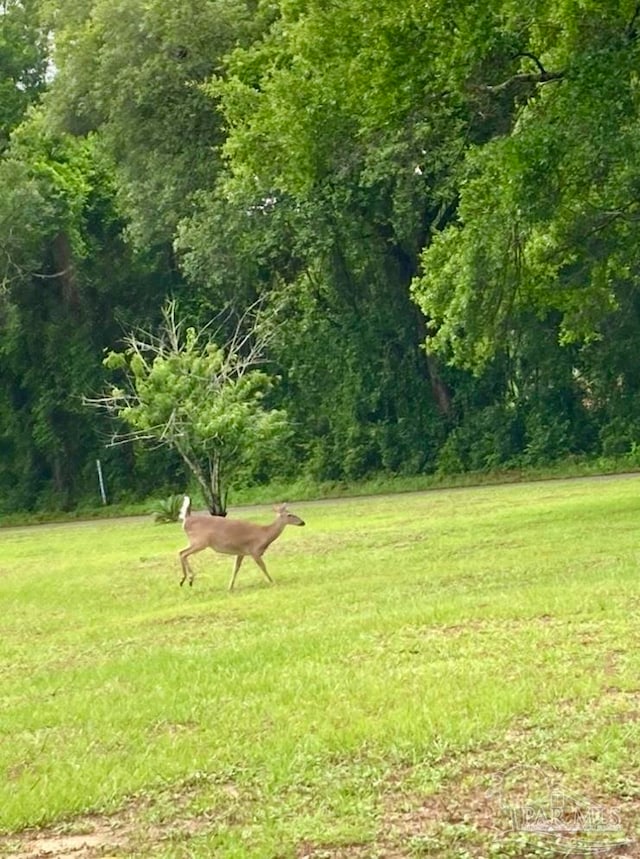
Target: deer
[[230, 537]]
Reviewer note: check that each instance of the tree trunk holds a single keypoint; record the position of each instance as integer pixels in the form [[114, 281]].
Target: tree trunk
[[217, 501], [210, 484], [440, 391]]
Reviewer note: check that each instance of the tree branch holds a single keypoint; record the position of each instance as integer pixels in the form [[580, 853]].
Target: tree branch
[[542, 77], [541, 68]]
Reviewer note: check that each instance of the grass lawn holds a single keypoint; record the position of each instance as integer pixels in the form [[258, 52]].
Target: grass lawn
[[447, 673]]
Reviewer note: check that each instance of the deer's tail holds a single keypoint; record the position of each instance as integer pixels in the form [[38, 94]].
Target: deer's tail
[[185, 510]]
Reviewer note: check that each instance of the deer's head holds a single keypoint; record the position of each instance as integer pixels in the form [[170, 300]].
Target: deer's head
[[288, 517]]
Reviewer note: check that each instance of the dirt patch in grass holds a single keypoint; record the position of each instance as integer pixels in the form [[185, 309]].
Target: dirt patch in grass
[[102, 837], [99, 837], [106, 836]]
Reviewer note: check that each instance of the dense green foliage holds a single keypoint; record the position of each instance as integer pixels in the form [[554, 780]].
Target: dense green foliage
[[436, 205]]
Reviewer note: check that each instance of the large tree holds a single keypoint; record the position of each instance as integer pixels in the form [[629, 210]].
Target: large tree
[[133, 70], [400, 135], [547, 212], [66, 277], [336, 168]]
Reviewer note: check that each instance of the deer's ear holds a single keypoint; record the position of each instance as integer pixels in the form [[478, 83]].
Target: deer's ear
[[280, 508]]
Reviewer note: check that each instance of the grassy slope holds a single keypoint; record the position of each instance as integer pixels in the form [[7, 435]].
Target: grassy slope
[[414, 649]]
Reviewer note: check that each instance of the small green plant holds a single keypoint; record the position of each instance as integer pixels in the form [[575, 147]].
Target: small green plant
[[167, 509], [203, 399]]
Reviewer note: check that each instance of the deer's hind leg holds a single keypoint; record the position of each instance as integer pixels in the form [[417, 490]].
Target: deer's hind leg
[[186, 566]]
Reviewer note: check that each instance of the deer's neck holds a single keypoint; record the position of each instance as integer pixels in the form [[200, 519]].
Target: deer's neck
[[273, 531]]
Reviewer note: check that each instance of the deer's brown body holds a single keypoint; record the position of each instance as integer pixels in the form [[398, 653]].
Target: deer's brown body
[[231, 537]]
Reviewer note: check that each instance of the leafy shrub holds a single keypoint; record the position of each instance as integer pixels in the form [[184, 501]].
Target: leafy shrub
[[168, 509], [487, 439], [548, 438], [619, 436]]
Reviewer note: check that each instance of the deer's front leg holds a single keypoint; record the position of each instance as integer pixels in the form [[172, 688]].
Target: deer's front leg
[[262, 566]]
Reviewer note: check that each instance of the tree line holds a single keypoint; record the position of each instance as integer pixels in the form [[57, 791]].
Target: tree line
[[434, 205]]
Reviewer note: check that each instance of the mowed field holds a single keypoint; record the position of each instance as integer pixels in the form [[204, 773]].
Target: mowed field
[[447, 673]]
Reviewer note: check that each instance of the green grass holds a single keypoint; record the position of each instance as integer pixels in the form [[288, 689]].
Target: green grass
[[414, 650]]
